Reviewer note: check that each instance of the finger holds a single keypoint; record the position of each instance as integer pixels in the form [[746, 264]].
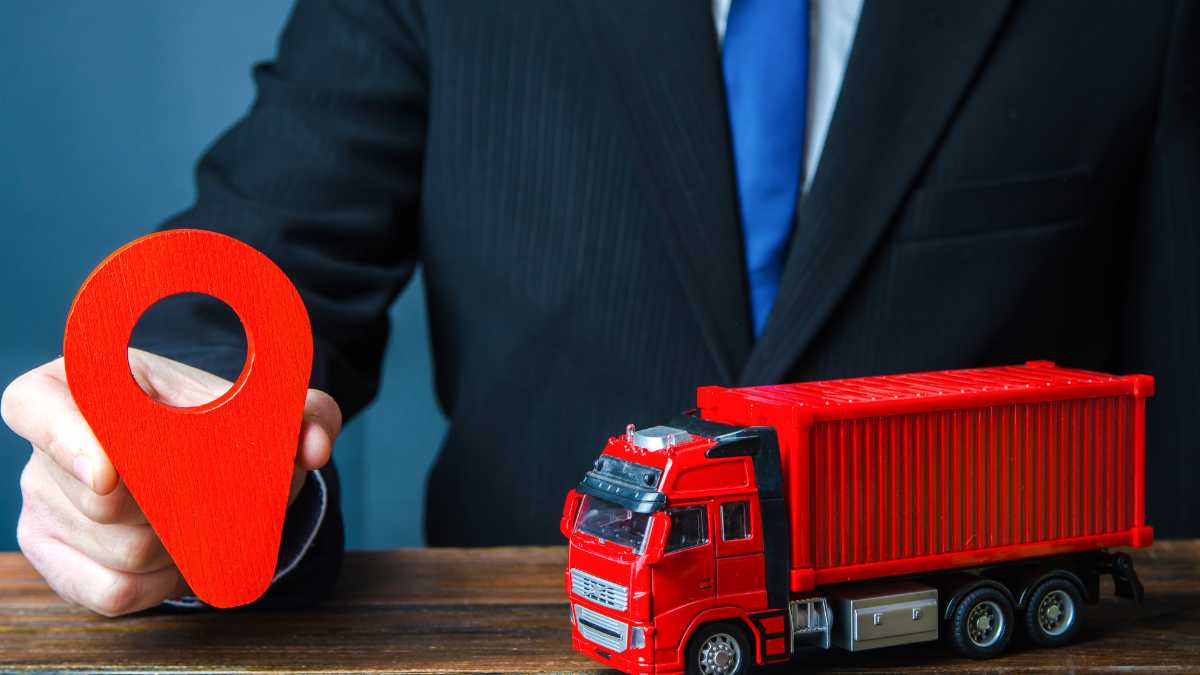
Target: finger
[[321, 426], [299, 476], [39, 408], [83, 581], [122, 548], [173, 383], [116, 507]]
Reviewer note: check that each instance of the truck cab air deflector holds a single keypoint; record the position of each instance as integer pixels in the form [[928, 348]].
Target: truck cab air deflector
[[636, 498]]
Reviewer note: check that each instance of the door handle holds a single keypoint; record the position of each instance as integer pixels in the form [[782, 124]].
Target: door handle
[[706, 584]]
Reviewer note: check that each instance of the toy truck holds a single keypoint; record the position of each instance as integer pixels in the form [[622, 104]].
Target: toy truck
[[859, 513]]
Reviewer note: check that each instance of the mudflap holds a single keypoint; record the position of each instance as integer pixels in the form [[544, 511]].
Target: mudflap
[[1125, 578]]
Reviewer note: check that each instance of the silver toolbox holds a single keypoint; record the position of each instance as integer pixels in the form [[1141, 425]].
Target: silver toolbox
[[880, 615]]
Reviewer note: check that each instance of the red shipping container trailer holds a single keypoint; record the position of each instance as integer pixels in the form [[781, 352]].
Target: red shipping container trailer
[[860, 513], [910, 473]]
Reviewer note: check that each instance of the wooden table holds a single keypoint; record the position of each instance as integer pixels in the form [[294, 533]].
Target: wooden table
[[501, 610]]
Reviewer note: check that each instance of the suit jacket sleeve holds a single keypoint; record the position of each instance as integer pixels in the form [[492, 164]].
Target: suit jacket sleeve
[[1161, 325], [323, 176]]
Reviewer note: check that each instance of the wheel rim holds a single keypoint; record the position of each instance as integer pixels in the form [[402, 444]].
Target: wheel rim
[[1056, 613], [985, 624], [720, 655]]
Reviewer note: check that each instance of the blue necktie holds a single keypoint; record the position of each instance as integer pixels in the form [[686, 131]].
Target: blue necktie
[[765, 58]]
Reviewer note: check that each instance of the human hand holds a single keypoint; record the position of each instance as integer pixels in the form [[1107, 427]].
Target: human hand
[[79, 527]]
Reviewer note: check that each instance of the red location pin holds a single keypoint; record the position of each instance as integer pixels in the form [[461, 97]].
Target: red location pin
[[213, 479]]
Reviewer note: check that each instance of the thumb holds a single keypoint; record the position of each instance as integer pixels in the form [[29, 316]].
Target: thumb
[[321, 426], [178, 384]]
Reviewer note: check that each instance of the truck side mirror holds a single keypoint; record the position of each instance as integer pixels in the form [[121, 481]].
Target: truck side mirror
[[570, 509], [656, 538]]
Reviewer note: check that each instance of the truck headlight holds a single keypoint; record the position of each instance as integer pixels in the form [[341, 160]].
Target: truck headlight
[[637, 638]]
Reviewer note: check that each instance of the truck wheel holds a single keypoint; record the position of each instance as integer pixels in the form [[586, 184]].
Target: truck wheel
[[981, 626], [1054, 613], [719, 649]]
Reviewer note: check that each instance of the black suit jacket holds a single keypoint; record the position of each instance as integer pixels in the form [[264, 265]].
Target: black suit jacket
[[1001, 181]]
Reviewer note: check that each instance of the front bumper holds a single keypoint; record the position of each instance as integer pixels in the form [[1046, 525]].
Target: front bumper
[[611, 640]]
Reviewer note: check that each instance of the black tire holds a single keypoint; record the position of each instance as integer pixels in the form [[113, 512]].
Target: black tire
[[713, 644], [1054, 613], [982, 624]]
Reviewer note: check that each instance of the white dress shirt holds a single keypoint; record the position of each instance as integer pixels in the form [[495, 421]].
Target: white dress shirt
[[832, 25]]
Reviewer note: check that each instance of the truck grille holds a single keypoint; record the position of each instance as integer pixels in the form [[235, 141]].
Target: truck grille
[[602, 630], [599, 591]]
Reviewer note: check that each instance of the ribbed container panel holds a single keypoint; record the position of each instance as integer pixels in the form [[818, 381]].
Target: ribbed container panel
[[905, 474], [912, 485]]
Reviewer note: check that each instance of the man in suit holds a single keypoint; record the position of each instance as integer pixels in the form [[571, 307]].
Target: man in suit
[[594, 191]]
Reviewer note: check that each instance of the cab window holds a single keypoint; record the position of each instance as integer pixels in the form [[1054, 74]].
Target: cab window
[[689, 527], [735, 521]]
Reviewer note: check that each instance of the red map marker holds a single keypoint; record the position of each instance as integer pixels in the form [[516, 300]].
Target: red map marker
[[213, 479]]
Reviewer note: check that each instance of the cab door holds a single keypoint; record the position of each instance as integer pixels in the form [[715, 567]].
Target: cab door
[[739, 549], [687, 572]]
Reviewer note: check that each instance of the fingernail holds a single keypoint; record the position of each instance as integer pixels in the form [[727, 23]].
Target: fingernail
[[82, 466]]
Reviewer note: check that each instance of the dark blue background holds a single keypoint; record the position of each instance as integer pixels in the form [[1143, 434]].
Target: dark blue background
[[104, 108]]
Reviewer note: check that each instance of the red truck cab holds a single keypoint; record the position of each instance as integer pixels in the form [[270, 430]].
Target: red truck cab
[[859, 514], [673, 515]]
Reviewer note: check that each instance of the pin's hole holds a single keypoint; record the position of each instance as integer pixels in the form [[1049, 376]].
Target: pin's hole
[[187, 349]]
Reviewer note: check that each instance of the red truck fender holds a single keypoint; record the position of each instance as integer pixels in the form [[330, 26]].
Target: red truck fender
[[720, 614]]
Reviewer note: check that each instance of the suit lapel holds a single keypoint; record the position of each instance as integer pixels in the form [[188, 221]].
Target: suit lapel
[[908, 71], [660, 63]]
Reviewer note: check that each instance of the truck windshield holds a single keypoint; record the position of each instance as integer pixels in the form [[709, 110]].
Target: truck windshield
[[611, 522]]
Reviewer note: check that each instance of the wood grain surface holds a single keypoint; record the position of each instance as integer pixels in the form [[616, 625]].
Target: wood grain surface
[[502, 610]]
